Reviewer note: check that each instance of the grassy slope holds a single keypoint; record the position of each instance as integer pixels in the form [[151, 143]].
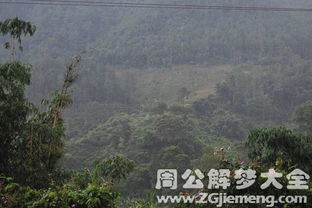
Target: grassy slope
[[163, 85]]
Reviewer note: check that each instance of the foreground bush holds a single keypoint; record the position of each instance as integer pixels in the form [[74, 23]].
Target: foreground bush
[[12, 195]]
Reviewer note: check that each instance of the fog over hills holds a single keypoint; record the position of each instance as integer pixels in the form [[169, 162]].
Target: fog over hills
[[169, 85]]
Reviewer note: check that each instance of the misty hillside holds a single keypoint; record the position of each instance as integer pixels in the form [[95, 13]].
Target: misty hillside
[[171, 87], [164, 37], [155, 38]]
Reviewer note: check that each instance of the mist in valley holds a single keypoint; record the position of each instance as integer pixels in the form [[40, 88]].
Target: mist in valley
[[171, 88]]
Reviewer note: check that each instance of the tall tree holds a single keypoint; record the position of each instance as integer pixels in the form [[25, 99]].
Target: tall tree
[[31, 140], [14, 107], [43, 144]]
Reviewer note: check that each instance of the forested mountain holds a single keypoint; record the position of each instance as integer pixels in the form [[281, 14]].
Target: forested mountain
[[173, 87], [165, 37], [155, 38]]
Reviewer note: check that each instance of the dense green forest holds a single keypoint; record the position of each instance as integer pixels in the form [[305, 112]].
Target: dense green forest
[[149, 89]]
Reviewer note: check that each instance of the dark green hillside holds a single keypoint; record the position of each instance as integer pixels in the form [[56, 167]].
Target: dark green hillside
[[251, 96], [150, 89], [165, 39], [163, 138]]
